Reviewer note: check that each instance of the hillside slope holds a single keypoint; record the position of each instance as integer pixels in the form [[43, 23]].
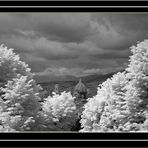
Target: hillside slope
[[91, 83]]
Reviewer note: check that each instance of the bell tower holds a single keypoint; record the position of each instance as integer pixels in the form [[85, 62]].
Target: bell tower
[[80, 91], [56, 88]]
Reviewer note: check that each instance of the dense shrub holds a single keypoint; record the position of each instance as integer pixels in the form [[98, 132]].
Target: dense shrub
[[59, 112]]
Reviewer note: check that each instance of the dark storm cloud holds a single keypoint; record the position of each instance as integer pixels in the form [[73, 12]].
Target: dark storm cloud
[[129, 21], [73, 40], [107, 31], [116, 54], [9, 23], [119, 31], [67, 27], [40, 47]]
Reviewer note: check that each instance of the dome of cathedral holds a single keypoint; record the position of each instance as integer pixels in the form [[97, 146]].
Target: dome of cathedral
[[80, 87]]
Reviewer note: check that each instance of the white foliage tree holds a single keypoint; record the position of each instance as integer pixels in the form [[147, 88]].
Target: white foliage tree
[[137, 88], [59, 111], [121, 103], [19, 93], [11, 65], [101, 110]]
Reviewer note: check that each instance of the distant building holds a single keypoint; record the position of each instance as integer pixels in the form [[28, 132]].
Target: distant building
[[80, 91], [56, 88]]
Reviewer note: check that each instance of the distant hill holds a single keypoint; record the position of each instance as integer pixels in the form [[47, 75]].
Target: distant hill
[[67, 84], [51, 78], [93, 78]]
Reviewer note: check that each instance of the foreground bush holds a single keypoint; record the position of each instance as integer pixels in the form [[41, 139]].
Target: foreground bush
[[59, 112]]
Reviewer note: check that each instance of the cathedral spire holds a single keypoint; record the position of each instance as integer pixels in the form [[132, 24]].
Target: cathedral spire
[[56, 89], [80, 90], [80, 81]]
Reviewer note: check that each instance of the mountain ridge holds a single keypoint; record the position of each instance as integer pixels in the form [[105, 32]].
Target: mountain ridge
[[66, 78], [91, 82]]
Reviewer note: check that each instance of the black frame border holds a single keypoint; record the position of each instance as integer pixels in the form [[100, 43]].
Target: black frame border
[[63, 138]]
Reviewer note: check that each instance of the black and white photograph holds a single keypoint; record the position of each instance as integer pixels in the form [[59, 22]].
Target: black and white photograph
[[73, 72]]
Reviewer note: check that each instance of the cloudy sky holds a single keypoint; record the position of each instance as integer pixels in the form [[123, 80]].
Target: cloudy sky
[[75, 44]]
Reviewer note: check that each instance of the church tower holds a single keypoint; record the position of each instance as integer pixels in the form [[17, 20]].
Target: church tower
[[80, 91], [56, 88]]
